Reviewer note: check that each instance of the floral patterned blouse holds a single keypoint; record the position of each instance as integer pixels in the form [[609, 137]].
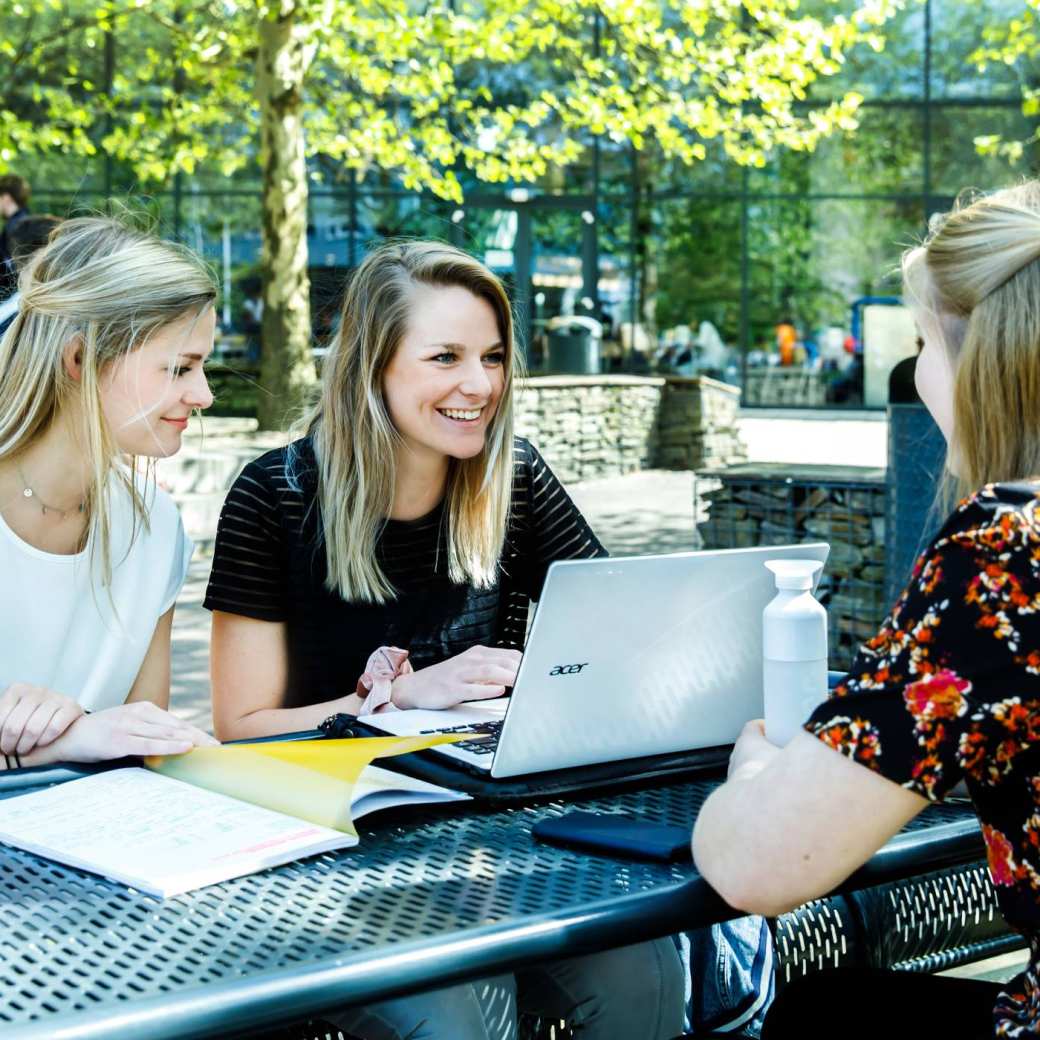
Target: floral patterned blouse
[[949, 690]]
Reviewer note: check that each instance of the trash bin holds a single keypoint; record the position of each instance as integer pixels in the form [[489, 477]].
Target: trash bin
[[574, 345]]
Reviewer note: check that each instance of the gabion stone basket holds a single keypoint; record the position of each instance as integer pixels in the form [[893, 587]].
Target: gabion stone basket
[[778, 504]]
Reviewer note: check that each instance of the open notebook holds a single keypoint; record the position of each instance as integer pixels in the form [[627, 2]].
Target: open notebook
[[215, 813]]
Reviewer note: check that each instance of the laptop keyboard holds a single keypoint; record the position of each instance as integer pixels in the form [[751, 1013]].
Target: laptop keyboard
[[490, 730]]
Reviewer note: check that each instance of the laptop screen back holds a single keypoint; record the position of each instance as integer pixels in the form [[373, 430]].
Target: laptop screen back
[[641, 656]]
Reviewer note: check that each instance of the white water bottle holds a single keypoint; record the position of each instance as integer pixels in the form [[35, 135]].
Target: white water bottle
[[794, 650]]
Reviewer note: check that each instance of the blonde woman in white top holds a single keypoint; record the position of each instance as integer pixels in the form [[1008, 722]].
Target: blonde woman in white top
[[101, 368]]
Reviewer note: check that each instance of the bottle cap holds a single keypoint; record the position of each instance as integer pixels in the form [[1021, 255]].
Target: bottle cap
[[796, 575]]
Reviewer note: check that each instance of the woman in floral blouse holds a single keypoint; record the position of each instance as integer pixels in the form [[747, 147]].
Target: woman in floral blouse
[[949, 689]]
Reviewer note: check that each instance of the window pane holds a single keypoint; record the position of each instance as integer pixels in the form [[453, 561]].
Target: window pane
[[883, 156], [615, 168], [715, 173], [896, 72], [809, 262], [67, 203], [956, 163], [56, 175], [814, 258], [392, 215], [557, 285], [957, 30], [688, 269]]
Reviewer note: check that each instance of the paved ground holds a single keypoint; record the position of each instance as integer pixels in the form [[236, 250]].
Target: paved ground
[[643, 513], [189, 690], [822, 436]]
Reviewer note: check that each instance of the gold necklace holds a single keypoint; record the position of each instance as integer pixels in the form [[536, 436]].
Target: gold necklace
[[27, 492]]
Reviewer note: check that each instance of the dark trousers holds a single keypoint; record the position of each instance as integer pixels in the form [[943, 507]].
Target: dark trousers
[[862, 1004]]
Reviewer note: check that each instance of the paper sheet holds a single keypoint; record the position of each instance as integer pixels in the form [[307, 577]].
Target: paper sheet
[[157, 834]]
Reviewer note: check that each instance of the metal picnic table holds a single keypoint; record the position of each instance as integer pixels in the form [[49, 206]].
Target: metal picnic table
[[430, 896]]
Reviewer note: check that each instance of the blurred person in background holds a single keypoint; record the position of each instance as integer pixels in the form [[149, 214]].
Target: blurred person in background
[[14, 208], [786, 339], [29, 235]]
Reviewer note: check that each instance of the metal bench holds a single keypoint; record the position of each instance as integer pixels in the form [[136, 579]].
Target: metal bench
[[926, 924], [317, 1029]]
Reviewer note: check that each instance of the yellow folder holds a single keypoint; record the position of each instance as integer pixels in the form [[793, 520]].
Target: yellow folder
[[314, 780]]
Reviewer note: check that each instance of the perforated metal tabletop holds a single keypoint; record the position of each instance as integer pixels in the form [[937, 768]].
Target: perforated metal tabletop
[[427, 898]]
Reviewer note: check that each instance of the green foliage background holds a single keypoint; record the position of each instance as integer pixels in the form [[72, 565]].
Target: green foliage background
[[805, 118]]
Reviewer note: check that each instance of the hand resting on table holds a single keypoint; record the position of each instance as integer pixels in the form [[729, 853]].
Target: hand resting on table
[[139, 728]]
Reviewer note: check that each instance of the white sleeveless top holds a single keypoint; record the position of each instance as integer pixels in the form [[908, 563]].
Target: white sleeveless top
[[60, 627]]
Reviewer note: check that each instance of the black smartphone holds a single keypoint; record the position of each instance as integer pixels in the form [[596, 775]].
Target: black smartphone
[[616, 836]]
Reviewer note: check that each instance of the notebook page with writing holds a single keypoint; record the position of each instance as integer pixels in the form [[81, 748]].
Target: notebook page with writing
[[157, 834]]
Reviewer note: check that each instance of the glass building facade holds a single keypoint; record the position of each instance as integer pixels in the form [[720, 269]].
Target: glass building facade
[[652, 250]]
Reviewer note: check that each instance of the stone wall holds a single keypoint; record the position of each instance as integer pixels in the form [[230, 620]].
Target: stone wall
[[697, 425], [791, 387], [597, 426], [779, 504]]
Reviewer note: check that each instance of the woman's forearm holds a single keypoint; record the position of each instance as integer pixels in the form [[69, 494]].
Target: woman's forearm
[[268, 722], [773, 837], [721, 844]]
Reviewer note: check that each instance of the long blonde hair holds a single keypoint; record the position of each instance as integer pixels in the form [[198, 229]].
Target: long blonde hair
[[355, 439], [976, 283], [108, 287]]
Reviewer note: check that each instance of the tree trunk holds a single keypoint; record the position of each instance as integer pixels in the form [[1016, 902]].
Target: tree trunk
[[287, 373], [650, 244]]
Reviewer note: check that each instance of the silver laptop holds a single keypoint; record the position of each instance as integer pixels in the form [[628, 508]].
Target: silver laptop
[[626, 657]]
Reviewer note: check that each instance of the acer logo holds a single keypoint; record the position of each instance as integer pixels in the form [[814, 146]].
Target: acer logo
[[568, 669]]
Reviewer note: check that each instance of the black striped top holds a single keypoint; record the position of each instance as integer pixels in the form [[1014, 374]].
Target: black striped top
[[269, 563]]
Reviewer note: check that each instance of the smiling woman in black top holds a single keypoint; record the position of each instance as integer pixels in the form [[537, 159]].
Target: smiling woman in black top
[[268, 567], [408, 526], [407, 515]]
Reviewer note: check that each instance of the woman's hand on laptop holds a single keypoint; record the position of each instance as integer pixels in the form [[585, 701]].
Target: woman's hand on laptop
[[33, 716], [480, 673]]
